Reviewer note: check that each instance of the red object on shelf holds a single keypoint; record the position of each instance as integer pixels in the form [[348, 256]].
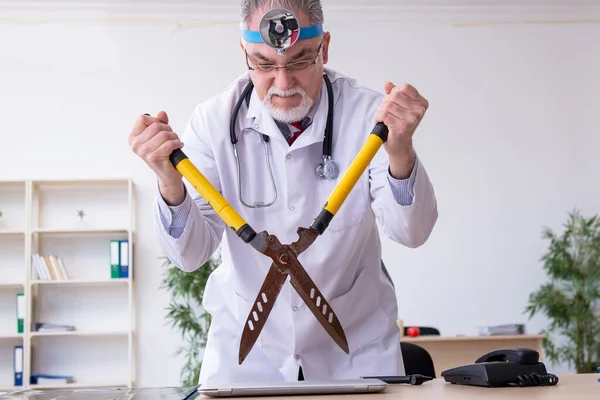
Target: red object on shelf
[[413, 331]]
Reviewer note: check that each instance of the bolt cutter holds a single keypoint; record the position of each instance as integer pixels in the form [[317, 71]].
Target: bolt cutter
[[284, 256]]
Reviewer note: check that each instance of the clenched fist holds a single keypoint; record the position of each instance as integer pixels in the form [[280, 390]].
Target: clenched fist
[[153, 140], [402, 110]]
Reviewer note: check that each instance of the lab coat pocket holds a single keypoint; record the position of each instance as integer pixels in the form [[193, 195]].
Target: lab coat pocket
[[360, 312], [227, 306], [352, 209]]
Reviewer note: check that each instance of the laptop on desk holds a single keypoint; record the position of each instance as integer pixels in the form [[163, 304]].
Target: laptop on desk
[[342, 386]]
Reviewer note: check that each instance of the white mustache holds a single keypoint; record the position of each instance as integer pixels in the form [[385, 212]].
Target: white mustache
[[273, 91], [290, 115]]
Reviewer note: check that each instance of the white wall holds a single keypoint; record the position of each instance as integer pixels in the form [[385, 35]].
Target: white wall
[[510, 141]]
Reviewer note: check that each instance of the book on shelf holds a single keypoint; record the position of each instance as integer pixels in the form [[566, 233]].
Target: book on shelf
[[119, 259], [46, 379], [49, 267], [46, 327]]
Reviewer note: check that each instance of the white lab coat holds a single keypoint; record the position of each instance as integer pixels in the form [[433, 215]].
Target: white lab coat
[[345, 262]]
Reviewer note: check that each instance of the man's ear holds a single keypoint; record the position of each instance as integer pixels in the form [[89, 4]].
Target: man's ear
[[326, 47], [242, 44]]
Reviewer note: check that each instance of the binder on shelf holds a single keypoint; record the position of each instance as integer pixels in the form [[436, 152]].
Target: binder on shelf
[[18, 365], [124, 257], [20, 312], [115, 258]]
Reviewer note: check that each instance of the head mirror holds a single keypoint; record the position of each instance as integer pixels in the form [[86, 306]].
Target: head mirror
[[279, 28]]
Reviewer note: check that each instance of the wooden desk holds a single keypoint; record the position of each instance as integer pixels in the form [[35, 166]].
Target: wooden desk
[[453, 351], [580, 387]]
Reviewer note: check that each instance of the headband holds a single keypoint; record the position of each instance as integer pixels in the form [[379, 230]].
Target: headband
[[279, 29]]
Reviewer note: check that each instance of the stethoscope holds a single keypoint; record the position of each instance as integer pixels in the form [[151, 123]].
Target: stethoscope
[[327, 169]]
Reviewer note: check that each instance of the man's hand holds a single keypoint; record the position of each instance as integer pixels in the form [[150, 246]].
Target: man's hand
[[153, 140], [402, 110]]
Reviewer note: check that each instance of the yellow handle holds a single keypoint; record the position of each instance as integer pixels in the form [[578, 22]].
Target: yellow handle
[[350, 177], [211, 195], [345, 185]]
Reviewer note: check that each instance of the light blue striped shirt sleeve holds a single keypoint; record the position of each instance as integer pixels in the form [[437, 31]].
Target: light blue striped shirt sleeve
[[174, 218], [403, 189]]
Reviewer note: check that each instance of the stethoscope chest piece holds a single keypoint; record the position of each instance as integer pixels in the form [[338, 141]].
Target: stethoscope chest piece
[[328, 169]]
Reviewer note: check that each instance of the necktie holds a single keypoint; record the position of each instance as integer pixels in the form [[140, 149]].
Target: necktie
[[296, 131]]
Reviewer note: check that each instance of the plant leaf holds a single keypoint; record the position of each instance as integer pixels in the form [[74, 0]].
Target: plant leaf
[[571, 298], [185, 315]]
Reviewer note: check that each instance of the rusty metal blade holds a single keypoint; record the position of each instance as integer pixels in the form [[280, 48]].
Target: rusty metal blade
[[316, 302], [306, 237], [260, 242], [261, 309]]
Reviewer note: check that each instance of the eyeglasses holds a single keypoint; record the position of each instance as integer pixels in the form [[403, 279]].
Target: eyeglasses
[[291, 67]]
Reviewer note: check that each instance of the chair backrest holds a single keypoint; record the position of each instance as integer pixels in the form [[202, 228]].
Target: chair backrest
[[417, 360], [424, 331]]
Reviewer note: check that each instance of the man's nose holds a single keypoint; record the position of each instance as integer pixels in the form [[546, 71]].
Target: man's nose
[[284, 79]]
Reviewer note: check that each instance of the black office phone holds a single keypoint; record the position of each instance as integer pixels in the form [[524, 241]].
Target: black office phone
[[503, 367]]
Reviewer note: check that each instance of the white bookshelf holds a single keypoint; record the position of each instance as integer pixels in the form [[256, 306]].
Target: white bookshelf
[[41, 217], [13, 272]]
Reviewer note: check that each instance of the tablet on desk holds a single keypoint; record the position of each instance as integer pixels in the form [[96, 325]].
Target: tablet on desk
[[342, 386]]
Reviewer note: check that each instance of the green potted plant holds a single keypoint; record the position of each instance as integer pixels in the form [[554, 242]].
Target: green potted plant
[[571, 297], [185, 313]]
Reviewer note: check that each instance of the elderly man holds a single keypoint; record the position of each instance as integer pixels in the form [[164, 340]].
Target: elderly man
[[276, 158]]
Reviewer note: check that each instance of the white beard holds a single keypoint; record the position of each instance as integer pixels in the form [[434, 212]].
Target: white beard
[[292, 114]]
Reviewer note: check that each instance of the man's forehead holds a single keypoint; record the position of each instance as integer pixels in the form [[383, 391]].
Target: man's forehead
[[301, 48]]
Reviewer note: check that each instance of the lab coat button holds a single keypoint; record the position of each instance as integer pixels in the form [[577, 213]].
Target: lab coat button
[[288, 156], [291, 208], [295, 308], [297, 356], [255, 126]]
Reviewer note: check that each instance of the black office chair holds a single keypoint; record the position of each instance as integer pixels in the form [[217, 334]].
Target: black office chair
[[417, 360], [424, 331]]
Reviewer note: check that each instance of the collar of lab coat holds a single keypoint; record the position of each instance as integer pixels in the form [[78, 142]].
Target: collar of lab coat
[[258, 117]]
